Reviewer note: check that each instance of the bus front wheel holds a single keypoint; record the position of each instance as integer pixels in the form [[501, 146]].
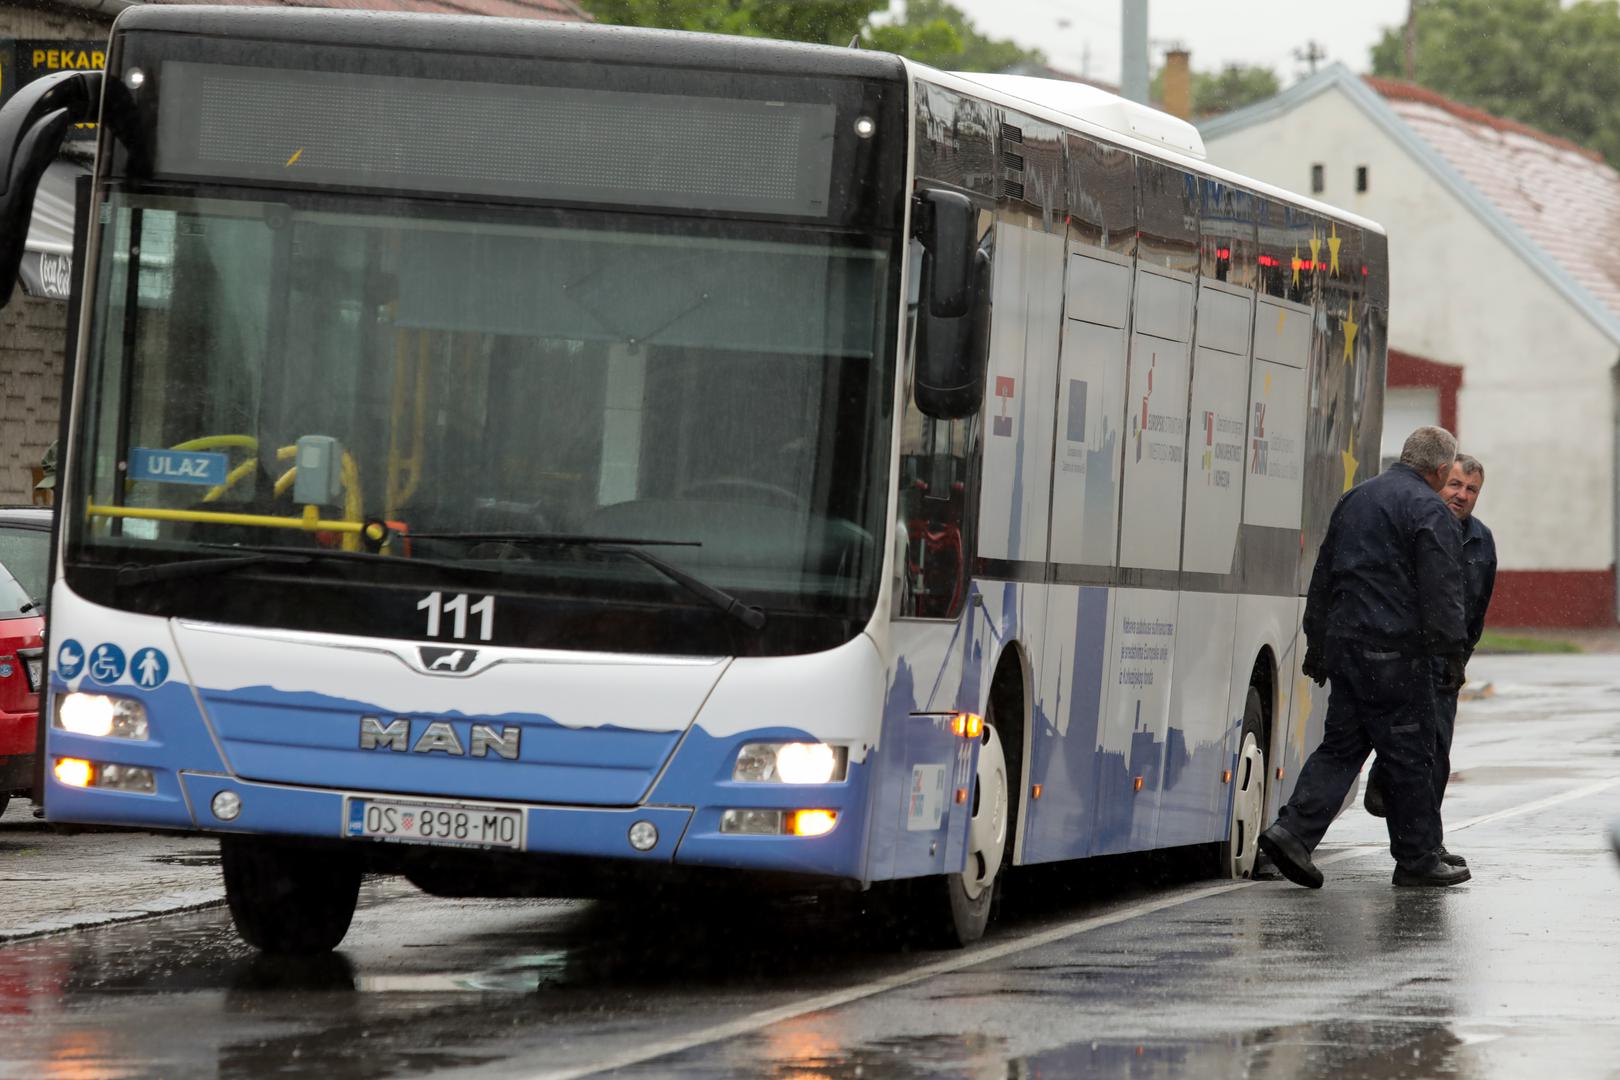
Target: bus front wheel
[[1237, 854], [287, 900], [963, 901]]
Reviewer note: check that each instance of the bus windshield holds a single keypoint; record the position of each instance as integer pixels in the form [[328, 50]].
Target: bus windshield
[[716, 388]]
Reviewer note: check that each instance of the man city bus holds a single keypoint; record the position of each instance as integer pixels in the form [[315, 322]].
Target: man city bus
[[529, 458]]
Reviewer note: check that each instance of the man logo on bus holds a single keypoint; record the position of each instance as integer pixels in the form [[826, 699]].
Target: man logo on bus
[[446, 661]]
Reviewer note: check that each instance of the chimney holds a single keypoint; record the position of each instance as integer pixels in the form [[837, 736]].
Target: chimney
[[1178, 83]]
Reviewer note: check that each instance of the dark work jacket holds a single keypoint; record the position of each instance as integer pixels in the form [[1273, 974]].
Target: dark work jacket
[[1479, 575], [1389, 575]]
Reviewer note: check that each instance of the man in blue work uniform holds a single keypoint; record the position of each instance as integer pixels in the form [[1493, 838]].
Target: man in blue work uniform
[[1461, 493], [1385, 602]]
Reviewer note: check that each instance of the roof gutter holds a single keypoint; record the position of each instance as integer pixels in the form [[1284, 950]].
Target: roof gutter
[[107, 8]]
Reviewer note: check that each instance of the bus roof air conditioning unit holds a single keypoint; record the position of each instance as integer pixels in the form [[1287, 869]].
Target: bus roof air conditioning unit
[[1098, 107]]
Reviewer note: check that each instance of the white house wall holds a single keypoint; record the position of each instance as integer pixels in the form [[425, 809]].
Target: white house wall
[[1536, 404]]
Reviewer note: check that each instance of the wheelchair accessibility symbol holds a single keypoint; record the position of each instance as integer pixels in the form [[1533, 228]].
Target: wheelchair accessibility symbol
[[106, 663], [149, 669]]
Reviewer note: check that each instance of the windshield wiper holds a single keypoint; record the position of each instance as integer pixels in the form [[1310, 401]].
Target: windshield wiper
[[187, 568], [751, 617]]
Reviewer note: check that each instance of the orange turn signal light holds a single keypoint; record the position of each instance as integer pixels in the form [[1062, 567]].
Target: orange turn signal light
[[74, 772], [968, 725], [1226, 776], [1036, 791], [811, 822], [1138, 783]]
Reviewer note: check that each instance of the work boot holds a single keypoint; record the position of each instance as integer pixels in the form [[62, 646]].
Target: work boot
[[1373, 799], [1449, 859], [1432, 873], [1290, 857]]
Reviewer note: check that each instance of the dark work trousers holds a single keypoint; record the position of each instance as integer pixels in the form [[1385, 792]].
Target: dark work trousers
[[1383, 701], [1445, 715]]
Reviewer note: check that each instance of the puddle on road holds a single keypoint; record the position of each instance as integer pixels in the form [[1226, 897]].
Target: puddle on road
[[184, 860], [1341, 1049]]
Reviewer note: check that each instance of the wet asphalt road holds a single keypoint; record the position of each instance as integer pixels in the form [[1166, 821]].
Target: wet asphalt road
[[1123, 968]]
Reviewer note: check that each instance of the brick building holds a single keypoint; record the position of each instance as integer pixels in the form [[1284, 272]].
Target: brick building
[[33, 329]]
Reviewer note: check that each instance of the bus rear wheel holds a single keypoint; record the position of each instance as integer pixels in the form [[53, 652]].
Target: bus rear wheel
[[1237, 854], [286, 900], [962, 901]]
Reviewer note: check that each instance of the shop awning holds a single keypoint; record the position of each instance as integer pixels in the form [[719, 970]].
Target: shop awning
[[47, 265]]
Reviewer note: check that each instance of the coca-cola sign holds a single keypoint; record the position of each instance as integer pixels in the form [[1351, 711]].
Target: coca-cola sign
[[48, 275]]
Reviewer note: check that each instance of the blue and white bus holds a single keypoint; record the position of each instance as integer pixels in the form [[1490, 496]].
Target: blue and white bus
[[528, 457]]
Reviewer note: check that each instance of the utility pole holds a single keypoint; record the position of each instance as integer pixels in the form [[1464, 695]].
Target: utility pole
[[1133, 50], [1311, 55], [1411, 40]]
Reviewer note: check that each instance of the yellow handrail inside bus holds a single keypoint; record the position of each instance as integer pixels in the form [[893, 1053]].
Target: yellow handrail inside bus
[[310, 520], [405, 472]]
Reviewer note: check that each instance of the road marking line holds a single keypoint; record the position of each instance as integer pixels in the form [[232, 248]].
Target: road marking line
[[1571, 795], [833, 999]]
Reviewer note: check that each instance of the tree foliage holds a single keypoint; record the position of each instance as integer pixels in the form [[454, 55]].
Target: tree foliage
[[827, 22], [1556, 68], [931, 31], [1232, 87]]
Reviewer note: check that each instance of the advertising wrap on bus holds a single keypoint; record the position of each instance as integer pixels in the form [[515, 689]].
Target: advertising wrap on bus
[[580, 456]]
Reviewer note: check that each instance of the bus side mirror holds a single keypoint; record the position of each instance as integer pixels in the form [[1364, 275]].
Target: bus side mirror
[[32, 127], [947, 225], [953, 317], [948, 383]]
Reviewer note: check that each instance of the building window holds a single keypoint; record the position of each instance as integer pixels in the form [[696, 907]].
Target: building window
[[1361, 178], [1317, 181]]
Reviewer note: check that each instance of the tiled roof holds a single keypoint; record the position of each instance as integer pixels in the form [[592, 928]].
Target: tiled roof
[[555, 10], [1565, 199]]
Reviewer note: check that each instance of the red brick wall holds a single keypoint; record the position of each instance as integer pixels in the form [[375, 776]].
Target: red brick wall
[[1554, 598]]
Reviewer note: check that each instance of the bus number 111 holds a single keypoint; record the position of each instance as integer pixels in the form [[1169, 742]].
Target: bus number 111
[[459, 606]]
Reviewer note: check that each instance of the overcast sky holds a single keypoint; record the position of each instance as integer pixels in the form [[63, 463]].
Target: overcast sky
[[1083, 35]]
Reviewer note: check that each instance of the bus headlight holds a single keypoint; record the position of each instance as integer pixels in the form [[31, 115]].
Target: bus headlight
[[76, 772], [791, 763], [99, 714], [778, 822]]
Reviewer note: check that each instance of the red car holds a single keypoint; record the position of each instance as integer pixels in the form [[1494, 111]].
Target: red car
[[25, 543]]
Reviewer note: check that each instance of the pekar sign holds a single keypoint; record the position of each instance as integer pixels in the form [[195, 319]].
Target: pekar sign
[[22, 60]]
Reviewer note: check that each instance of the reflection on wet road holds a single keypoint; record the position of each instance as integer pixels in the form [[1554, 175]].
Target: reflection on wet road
[[1119, 968]]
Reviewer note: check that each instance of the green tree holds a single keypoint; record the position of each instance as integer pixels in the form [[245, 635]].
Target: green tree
[[826, 22], [1535, 61], [931, 31], [1232, 87], [938, 33]]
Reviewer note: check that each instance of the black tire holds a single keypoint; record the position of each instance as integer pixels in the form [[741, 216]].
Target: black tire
[[1235, 855], [287, 900], [957, 907]]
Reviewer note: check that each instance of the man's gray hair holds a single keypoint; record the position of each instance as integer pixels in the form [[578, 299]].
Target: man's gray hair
[[1429, 449], [1471, 466]]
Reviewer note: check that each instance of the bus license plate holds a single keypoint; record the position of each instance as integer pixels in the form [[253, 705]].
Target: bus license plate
[[455, 824]]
